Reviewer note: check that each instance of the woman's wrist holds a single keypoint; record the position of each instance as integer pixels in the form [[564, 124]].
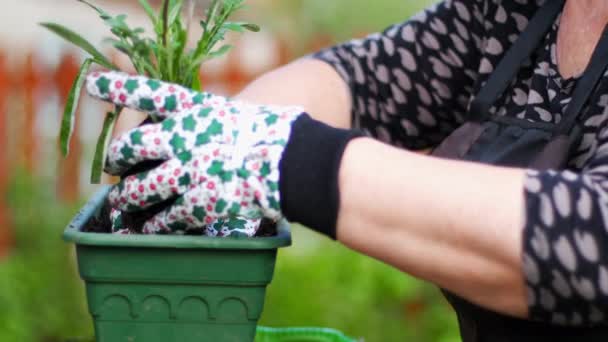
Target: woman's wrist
[[309, 169]]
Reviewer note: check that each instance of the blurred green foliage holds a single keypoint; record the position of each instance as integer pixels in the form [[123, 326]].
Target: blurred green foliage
[[336, 19], [41, 296], [320, 283]]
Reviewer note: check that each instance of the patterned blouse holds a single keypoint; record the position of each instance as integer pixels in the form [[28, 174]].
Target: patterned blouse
[[411, 86]]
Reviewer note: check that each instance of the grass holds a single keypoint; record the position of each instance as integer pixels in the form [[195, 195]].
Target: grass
[[41, 296], [320, 283]]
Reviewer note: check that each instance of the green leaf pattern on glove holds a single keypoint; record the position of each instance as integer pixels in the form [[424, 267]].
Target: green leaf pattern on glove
[[221, 156]]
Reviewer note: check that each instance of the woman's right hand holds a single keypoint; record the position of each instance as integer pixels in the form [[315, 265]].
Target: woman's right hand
[[220, 157]]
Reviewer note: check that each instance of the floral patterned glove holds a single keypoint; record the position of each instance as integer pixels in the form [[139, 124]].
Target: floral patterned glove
[[221, 156], [223, 160]]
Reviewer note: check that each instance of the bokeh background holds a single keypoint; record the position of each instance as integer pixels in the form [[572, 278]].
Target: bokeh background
[[317, 282]]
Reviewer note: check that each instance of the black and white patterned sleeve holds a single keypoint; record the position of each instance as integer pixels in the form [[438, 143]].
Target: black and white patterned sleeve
[[565, 257], [412, 83]]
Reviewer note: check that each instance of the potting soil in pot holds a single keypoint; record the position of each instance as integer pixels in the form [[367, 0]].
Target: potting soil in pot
[[113, 221]]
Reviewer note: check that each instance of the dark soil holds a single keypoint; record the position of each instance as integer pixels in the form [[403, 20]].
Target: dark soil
[[267, 228], [101, 223]]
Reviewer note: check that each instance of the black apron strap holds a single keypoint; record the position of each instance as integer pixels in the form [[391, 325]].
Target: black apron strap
[[567, 133], [586, 86], [509, 66]]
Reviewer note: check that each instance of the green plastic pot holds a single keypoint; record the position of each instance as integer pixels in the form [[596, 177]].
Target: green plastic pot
[[173, 288], [265, 334]]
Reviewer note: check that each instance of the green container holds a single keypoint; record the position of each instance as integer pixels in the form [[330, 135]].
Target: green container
[[265, 334], [173, 288]]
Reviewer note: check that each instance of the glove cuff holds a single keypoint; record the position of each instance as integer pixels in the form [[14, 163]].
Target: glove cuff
[[309, 167]]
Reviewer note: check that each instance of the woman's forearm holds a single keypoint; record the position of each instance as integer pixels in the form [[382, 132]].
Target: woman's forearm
[[309, 83], [452, 223]]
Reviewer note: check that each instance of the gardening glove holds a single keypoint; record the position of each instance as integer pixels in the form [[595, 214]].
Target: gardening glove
[[187, 100], [224, 159]]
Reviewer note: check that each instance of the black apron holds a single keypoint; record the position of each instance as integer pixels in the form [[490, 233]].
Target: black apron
[[507, 141]]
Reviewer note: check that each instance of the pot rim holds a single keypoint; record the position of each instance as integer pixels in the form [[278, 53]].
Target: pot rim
[[73, 233]]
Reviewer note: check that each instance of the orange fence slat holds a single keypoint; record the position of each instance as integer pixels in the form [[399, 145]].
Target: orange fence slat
[[5, 228], [234, 77], [28, 137]]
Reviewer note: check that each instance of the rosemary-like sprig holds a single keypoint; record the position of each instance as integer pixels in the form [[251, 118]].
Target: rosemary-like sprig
[[164, 56]]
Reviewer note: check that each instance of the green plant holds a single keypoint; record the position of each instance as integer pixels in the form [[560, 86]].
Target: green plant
[[165, 56]]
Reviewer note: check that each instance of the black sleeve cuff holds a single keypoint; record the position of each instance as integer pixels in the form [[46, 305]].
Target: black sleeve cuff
[[309, 168]]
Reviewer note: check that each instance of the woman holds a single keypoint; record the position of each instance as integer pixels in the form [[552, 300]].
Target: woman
[[519, 247]]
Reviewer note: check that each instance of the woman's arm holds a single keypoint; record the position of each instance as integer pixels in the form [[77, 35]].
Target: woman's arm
[[456, 230], [456, 224], [318, 88]]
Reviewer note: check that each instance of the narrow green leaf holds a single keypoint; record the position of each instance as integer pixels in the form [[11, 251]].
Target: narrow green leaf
[[212, 10], [165, 21], [151, 14], [221, 51], [77, 40], [158, 28], [120, 19], [196, 62], [69, 113], [196, 81], [102, 145], [103, 14], [118, 32], [128, 50], [241, 27], [251, 27], [121, 46], [163, 58], [150, 69], [236, 27], [179, 60], [175, 11]]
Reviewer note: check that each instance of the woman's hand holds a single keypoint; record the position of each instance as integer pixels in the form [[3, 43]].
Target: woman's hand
[[221, 157]]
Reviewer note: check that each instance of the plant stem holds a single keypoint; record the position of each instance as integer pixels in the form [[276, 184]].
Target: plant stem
[[165, 21]]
